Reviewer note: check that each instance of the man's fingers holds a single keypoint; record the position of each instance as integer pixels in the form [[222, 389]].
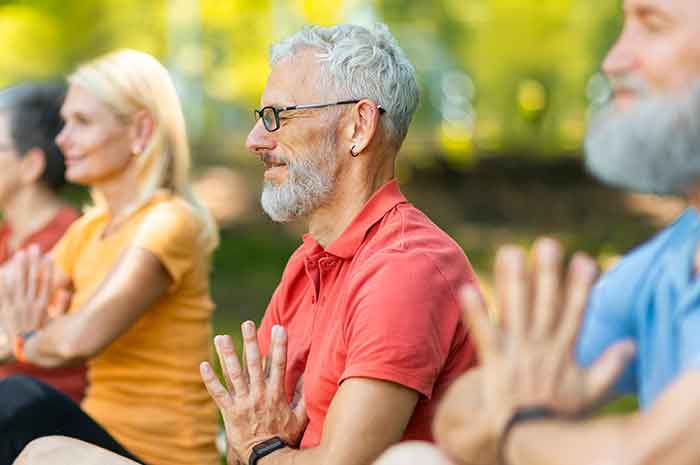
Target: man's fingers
[[277, 363], [512, 285], [483, 331], [298, 391], [253, 359], [548, 256], [230, 366], [299, 403], [608, 368], [582, 274], [217, 391]]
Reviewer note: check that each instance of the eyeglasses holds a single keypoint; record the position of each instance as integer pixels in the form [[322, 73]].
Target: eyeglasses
[[271, 115]]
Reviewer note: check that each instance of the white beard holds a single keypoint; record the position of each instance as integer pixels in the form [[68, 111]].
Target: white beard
[[651, 147], [310, 183]]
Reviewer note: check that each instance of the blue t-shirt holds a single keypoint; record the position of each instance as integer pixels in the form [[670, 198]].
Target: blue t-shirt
[[652, 297]]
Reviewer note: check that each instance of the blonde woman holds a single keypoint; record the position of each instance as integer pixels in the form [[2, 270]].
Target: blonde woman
[[137, 265]]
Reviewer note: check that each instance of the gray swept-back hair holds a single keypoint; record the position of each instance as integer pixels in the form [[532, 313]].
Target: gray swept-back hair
[[361, 63]]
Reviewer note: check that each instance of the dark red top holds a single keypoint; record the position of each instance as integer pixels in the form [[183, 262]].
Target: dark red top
[[71, 381]]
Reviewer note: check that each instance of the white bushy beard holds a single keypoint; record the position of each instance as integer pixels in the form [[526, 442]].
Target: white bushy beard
[[651, 147], [309, 184]]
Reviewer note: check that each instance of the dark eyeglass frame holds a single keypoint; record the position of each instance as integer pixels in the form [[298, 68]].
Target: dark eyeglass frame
[[276, 111]]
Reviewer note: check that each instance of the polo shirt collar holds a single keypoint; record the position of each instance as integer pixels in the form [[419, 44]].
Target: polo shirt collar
[[379, 204]]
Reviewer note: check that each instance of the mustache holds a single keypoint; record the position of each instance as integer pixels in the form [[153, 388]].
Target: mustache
[[268, 158], [629, 83]]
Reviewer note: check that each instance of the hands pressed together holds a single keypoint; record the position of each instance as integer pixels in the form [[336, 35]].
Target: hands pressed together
[[526, 354], [254, 402], [31, 291]]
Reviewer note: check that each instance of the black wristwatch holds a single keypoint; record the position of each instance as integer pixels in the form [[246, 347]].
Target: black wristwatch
[[265, 448]]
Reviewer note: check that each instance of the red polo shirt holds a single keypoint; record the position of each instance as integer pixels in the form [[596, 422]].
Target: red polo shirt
[[71, 381], [380, 302]]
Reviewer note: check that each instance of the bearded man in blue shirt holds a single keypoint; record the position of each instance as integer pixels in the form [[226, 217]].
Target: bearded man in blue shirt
[[530, 401]]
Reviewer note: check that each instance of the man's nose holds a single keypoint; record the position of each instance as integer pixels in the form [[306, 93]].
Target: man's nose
[[259, 139], [623, 56]]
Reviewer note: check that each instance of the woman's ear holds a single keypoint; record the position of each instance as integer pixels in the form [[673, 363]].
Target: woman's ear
[[33, 164], [142, 130]]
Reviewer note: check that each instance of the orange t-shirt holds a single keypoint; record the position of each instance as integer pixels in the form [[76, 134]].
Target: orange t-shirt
[[71, 381], [380, 302], [145, 387]]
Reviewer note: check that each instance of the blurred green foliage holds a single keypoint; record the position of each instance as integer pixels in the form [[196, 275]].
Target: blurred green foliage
[[498, 76], [493, 152]]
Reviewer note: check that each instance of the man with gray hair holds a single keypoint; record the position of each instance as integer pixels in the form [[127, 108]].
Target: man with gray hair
[[366, 312]]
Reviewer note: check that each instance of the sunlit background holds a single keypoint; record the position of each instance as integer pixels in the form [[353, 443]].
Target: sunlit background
[[493, 156]]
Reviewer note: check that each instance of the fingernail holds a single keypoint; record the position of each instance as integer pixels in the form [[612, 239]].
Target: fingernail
[[583, 263], [470, 293], [204, 367], [547, 250], [278, 333], [630, 349], [512, 257], [467, 291], [248, 328]]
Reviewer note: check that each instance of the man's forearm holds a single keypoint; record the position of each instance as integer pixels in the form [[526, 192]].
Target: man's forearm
[[666, 434], [637, 439], [320, 456], [553, 442]]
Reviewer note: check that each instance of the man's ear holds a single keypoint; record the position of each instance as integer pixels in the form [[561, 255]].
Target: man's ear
[[362, 127], [33, 164], [141, 131]]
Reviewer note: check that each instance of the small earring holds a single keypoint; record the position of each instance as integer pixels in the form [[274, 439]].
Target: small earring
[[352, 152]]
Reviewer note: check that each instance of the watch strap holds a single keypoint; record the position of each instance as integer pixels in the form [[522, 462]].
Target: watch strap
[[522, 415], [265, 448]]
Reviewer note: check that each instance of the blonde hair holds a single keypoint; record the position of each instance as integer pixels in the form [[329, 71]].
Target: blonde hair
[[128, 81]]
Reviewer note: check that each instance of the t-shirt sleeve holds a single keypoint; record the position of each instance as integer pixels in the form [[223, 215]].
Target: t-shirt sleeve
[[401, 323], [608, 319], [171, 232]]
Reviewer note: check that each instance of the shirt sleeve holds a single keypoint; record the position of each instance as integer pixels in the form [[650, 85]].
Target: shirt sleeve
[[171, 232], [401, 322], [609, 318]]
